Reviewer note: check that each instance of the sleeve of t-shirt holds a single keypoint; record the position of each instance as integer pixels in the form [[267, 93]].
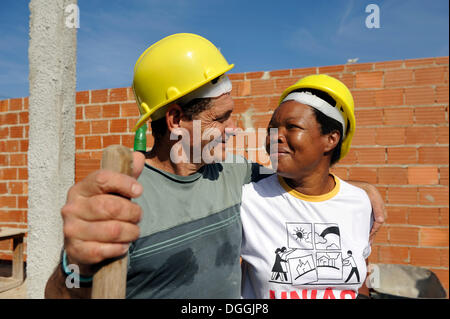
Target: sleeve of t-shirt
[[250, 171]]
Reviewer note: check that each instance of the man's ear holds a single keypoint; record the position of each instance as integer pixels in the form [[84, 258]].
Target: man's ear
[[173, 116], [332, 140]]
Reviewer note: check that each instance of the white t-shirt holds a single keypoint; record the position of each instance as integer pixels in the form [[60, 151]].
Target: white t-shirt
[[297, 246]]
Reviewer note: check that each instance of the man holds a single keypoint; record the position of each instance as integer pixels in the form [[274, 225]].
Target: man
[[187, 243]]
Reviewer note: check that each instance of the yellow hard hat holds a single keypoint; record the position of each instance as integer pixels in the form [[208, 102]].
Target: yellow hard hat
[[172, 68], [340, 93]]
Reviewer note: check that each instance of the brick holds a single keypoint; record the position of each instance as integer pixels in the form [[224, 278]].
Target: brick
[[280, 73], [393, 255], [283, 83], [442, 135], [22, 173], [16, 132], [442, 60], [93, 112], [85, 166], [4, 132], [359, 67], [433, 237], [391, 136], [110, 140], [443, 176], [22, 201], [4, 106], [99, 96], [421, 135], [396, 215], [92, 142], [444, 257], [392, 175], [364, 98], [23, 147], [244, 88], [370, 155], [23, 117], [382, 237], [4, 160], [129, 110], [119, 94], [341, 172], [118, 126], [388, 65], [18, 188], [100, 127], [9, 119], [8, 173], [18, 159], [79, 113], [254, 75], [419, 62], [348, 79], [8, 201], [3, 188], [403, 235], [430, 115], [433, 196], [366, 174], [262, 87], [364, 136], [442, 275], [424, 216], [13, 216], [426, 76], [433, 155], [15, 104], [399, 116], [368, 117], [419, 96], [423, 175], [82, 128], [331, 69], [403, 195], [128, 141], [389, 97], [111, 110], [79, 143], [442, 94], [365, 80], [350, 158], [430, 257], [236, 76], [82, 97], [443, 216], [303, 72]]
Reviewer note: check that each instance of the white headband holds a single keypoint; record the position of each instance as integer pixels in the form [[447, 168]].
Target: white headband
[[222, 86], [317, 103]]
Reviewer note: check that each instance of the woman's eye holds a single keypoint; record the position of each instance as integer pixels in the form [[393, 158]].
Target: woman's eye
[[292, 126]]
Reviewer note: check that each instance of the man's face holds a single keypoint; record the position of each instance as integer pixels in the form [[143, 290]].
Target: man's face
[[209, 130]]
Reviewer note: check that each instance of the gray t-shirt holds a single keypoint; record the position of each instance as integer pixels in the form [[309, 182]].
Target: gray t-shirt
[[191, 233]]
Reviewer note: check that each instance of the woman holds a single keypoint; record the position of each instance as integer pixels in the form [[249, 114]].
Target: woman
[[304, 207]]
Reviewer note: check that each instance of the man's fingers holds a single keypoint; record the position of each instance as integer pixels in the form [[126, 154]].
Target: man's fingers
[[103, 207], [91, 252], [101, 231], [138, 164], [104, 182]]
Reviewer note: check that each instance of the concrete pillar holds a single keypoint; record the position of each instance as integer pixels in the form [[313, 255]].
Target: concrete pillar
[[51, 153]]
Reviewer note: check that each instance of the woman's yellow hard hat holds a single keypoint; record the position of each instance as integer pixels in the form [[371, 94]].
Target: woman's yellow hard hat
[[340, 93], [172, 68]]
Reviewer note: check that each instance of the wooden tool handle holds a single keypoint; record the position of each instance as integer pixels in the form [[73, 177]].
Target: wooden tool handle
[[110, 281]]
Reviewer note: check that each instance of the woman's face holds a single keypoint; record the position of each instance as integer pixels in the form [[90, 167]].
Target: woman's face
[[300, 146]]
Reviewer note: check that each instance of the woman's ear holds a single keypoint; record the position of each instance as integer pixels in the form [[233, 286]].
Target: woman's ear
[[332, 140]]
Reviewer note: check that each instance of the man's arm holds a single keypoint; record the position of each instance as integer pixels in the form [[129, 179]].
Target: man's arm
[[377, 202], [97, 225]]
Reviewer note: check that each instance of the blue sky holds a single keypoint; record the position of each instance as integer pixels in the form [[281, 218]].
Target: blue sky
[[254, 35]]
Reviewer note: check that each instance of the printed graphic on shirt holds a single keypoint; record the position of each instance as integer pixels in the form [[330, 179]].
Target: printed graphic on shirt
[[314, 257]]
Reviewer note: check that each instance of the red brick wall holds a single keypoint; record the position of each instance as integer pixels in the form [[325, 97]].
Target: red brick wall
[[401, 146]]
